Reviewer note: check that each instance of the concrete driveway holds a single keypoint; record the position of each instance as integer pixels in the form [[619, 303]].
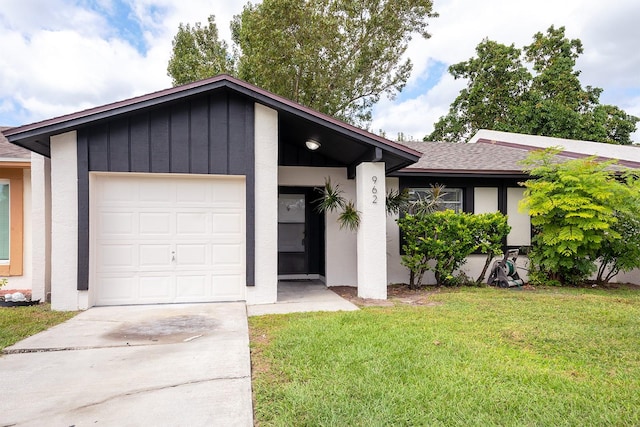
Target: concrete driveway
[[160, 365]]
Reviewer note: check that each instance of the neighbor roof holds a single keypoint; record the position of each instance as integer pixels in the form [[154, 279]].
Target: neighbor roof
[[488, 156], [36, 136], [460, 159], [626, 155], [11, 151]]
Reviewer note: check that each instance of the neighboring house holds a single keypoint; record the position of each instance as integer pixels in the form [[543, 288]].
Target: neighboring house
[[22, 260], [204, 193], [484, 176]]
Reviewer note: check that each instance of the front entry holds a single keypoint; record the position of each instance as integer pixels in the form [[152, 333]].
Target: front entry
[[300, 234]]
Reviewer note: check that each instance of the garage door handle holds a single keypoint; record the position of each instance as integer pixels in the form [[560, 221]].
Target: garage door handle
[[173, 256]]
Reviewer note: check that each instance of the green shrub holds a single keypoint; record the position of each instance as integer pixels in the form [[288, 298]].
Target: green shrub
[[575, 208], [441, 242]]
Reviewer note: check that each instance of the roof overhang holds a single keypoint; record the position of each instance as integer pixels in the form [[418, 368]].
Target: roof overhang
[[465, 173], [370, 147]]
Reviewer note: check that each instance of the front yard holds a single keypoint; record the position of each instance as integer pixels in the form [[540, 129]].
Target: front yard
[[458, 357]]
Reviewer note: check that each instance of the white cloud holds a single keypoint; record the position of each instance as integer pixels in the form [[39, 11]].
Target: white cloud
[[60, 56], [608, 32]]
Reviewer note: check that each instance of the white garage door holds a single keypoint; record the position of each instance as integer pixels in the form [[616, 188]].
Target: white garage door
[[167, 239]]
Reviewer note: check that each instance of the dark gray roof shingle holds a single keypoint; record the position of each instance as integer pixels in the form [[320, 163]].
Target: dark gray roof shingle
[[478, 158], [11, 151]]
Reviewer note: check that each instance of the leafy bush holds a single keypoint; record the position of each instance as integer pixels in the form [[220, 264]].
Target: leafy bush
[[491, 231], [622, 254], [441, 241], [576, 208]]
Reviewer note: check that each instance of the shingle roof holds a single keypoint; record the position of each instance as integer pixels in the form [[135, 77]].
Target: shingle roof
[[484, 157], [11, 151], [627, 155], [461, 158]]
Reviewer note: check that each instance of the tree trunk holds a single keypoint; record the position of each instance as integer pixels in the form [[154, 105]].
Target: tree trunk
[[480, 278]]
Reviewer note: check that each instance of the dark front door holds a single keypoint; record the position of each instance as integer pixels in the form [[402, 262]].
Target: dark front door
[[300, 233]]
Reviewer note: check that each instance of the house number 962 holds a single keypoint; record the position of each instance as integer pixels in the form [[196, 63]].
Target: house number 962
[[374, 190]]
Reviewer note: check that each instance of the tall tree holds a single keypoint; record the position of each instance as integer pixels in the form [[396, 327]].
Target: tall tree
[[502, 95], [498, 84], [198, 53], [336, 56]]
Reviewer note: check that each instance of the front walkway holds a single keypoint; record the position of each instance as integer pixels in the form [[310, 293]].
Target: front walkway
[[300, 296]]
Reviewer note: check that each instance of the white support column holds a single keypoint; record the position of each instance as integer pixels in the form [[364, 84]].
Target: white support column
[[64, 223], [372, 233], [41, 225], [266, 208]]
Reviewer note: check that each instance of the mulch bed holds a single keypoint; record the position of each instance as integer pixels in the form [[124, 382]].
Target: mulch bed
[[401, 294], [396, 294]]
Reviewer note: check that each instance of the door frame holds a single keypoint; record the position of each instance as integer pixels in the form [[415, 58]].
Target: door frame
[[314, 235]]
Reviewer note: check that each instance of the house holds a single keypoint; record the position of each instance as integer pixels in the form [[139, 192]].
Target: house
[[22, 220], [205, 192], [484, 175]]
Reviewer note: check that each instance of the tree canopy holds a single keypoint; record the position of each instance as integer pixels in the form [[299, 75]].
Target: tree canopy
[[198, 53], [336, 56], [502, 94]]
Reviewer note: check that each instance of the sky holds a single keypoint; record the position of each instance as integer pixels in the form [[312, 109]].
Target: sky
[[63, 56]]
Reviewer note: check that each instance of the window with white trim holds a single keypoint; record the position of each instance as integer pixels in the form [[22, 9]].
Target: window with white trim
[[5, 222], [452, 198], [11, 220]]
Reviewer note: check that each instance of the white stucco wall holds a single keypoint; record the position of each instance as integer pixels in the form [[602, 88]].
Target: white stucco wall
[[520, 222], [485, 200], [41, 224], [266, 207], [340, 244], [64, 224]]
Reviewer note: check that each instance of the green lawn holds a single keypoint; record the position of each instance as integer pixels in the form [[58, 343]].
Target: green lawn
[[480, 357], [17, 323]]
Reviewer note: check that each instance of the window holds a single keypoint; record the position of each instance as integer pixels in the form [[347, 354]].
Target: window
[[11, 221], [451, 197], [5, 224]]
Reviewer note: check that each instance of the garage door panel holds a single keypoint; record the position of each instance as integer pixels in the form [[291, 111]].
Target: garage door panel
[[227, 223], [118, 192], [193, 192], [155, 190], [226, 193], [192, 223], [114, 257], [116, 224], [116, 290], [229, 256], [155, 223], [189, 288], [168, 239], [191, 255], [225, 286], [155, 289], [155, 256]]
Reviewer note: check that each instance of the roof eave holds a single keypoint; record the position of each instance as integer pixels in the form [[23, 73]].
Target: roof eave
[[460, 173], [72, 121]]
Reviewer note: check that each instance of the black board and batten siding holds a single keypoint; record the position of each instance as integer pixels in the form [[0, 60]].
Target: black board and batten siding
[[212, 134]]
